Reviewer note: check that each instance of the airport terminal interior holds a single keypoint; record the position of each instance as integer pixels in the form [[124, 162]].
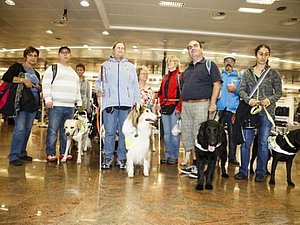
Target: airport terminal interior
[[43, 192]]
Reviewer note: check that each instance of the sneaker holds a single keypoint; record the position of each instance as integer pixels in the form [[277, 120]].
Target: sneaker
[[188, 170], [164, 161], [51, 158], [240, 176], [26, 158], [121, 164], [194, 173], [234, 162], [259, 178], [69, 157], [172, 161], [16, 162], [107, 163]]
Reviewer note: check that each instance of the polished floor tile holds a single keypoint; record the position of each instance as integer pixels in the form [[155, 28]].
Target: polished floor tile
[[47, 193]]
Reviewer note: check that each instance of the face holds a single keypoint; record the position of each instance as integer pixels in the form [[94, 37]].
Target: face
[[195, 51], [119, 51], [262, 56], [229, 64], [79, 71], [31, 58], [64, 55], [171, 64], [143, 76]]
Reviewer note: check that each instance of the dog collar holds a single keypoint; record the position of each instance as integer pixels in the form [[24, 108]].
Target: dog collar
[[203, 149]]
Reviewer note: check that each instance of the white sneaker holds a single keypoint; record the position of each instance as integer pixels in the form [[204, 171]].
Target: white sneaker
[[194, 173], [188, 170]]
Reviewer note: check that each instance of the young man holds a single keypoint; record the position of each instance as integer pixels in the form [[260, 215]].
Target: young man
[[199, 96], [229, 101], [85, 89], [60, 92]]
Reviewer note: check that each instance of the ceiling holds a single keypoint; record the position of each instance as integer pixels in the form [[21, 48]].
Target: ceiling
[[143, 23]]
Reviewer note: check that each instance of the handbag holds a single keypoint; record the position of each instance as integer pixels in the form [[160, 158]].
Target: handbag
[[167, 109], [4, 92], [7, 98]]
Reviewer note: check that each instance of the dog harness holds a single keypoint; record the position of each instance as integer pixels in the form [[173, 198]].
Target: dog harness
[[272, 145], [210, 148]]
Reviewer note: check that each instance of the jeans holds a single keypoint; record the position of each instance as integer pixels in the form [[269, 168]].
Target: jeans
[[171, 142], [113, 122], [21, 133], [227, 118], [262, 153], [57, 117]]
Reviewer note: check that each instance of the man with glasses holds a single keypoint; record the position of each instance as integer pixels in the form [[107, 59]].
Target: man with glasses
[[61, 91], [200, 91]]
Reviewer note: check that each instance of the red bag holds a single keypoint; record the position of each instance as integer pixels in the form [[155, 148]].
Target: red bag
[[4, 93]]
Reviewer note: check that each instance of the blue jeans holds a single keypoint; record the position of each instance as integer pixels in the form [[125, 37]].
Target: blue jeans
[[262, 153], [227, 118], [171, 142], [113, 122], [57, 117], [21, 133]]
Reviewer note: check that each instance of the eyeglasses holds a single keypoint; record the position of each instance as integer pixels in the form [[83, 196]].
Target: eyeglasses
[[65, 52]]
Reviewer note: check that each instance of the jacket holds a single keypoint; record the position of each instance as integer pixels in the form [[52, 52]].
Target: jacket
[[119, 82], [227, 100]]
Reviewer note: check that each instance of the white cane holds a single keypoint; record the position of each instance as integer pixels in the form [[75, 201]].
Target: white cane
[[100, 118], [159, 118]]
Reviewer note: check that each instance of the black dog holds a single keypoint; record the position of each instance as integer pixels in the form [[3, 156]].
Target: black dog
[[211, 144], [289, 145]]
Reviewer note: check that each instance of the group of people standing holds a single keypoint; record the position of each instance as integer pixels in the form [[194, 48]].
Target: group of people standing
[[193, 96]]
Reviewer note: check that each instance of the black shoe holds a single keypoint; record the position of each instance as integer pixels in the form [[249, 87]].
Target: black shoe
[[259, 178], [26, 158], [240, 176], [172, 161], [16, 162], [164, 161], [234, 162]]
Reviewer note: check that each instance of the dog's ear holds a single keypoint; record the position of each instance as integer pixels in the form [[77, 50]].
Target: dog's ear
[[201, 136]]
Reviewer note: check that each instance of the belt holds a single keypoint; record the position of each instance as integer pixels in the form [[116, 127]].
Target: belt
[[197, 100]]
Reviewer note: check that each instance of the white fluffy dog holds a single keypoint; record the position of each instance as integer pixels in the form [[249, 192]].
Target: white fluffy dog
[[77, 130], [137, 130]]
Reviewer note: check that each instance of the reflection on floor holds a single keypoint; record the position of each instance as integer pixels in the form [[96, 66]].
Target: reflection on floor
[[47, 193]]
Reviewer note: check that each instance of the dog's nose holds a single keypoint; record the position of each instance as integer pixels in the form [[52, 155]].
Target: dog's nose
[[67, 134]]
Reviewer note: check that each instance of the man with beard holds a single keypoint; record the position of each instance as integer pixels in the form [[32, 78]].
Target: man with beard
[[229, 101]]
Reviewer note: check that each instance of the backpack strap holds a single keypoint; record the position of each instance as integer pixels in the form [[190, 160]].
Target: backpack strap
[[54, 71], [179, 83], [208, 66]]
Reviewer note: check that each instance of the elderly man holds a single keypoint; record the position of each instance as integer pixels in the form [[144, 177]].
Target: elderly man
[[201, 86]]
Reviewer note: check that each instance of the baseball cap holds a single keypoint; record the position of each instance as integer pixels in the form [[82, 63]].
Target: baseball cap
[[229, 57], [64, 47]]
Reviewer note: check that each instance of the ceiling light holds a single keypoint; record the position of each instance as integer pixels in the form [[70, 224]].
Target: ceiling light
[[85, 3], [49, 31], [10, 2], [262, 2], [250, 10], [171, 4], [105, 33], [218, 16], [85, 46], [134, 46], [290, 21]]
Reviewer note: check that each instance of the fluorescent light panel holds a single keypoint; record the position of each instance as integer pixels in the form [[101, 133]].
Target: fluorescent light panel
[[171, 4], [262, 2], [251, 10]]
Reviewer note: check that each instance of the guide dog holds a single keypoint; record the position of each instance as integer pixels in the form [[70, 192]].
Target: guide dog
[[210, 145], [137, 130], [77, 130], [283, 148]]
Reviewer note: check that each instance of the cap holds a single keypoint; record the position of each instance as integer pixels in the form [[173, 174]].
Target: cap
[[63, 47], [229, 57]]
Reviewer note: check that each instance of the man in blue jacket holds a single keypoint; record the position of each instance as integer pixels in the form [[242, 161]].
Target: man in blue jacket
[[229, 101]]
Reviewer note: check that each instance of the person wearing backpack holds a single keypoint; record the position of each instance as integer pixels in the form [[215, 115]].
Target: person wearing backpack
[[228, 102], [61, 91], [201, 86]]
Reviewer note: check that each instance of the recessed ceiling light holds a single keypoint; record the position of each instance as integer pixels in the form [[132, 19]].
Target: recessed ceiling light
[[10, 2], [49, 31], [85, 3], [85, 46], [171, 4], [281, 8], [251, 10], [262, 2], [290, 21], [134, 46], [105, 33], [218, 16]]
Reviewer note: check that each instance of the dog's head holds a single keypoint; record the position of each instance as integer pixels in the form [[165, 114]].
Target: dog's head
[[72, 127], [211, 134], [141, 114]]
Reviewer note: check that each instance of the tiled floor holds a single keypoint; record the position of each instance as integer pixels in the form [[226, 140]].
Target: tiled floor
[[47, 193]]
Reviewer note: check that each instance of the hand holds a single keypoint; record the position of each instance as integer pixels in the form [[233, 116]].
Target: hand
[[157, 107], [27, 83], [49, 105], [177, 113], [253, 102], [212, 108], [265, 102]]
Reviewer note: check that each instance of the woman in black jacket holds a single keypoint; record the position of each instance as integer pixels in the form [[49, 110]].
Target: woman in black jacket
[[27, 82]]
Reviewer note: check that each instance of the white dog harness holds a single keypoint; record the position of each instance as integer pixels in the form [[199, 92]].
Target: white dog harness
[[272, 145]]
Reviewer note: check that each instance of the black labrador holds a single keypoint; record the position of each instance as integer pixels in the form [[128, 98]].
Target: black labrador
[[289, 145], [211, 145]]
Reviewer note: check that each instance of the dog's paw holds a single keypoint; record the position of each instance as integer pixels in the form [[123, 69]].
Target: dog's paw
[[208, 187], [78, 161], [291, 184], [130, 175], [225, 175], [63, 160], [252, 172], [199, 187], [146, 173], [272, 182]]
